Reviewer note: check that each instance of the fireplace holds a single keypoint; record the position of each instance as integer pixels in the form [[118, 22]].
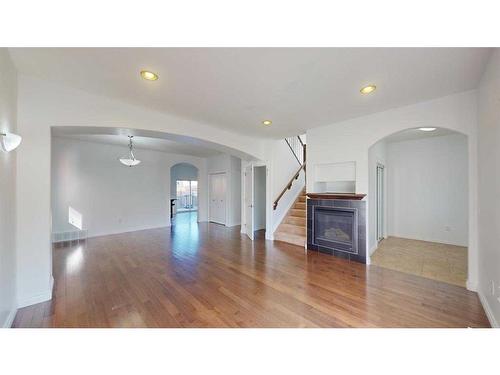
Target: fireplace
[[336, 228], [336, 225]]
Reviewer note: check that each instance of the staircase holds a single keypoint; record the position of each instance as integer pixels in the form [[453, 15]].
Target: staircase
[[293, 228]]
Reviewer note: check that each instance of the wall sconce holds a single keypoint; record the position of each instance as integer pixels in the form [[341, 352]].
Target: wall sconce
[[9, 141]]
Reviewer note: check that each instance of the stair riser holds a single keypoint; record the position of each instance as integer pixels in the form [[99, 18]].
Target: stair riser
[[292, 229], [295, 240], [297, 213], [299, 206], [295, 220]]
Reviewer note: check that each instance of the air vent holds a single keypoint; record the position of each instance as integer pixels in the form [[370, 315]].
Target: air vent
[[75, 235]]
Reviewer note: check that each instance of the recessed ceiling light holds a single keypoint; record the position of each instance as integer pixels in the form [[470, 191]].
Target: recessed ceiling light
[[150, 76], [427, 129], [267, 122], [368, 89]]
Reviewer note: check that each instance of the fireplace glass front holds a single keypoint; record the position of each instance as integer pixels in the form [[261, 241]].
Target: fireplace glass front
[[336, 228]]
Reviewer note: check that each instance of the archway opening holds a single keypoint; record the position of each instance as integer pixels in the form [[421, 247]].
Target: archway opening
[[418, 204], [184, 193]]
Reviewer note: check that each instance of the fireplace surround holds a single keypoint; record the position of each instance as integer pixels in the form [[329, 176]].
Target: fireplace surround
[[337, 226]]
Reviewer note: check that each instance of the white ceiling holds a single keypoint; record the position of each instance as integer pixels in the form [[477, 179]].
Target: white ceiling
[[147, 143], [413, 134], [237, 88]]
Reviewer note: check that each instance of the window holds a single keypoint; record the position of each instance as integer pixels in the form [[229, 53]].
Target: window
[[75, 218], [187, 195]]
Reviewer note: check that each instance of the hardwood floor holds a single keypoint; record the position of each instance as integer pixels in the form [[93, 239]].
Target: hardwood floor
[[207, 275]]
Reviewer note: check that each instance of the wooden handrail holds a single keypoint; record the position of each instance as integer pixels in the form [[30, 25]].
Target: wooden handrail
[[289, 185]]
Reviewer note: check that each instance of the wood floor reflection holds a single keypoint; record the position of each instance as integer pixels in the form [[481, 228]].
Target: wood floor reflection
[[207, 275]]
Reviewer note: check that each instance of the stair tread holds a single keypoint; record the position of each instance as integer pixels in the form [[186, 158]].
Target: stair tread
[[297, 220], [292, 228], [297, 212], [293, 239], [291, 235]]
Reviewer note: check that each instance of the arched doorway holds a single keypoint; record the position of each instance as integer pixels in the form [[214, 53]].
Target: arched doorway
[[184, 192], [418, 193]]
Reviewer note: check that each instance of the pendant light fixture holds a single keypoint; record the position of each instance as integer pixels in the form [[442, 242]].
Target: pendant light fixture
[[130, 160], [9, 141]]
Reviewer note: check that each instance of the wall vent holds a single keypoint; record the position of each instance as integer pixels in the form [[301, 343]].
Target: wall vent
[[75, 235]]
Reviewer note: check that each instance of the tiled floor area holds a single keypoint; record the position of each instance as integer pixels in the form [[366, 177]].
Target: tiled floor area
[[432, 260]]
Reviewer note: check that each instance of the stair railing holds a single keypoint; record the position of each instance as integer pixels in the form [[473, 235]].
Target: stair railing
[[298, 149]]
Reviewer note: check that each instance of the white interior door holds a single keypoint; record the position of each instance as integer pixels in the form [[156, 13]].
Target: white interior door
[[249, 204], [217, 191], [212, 209], [222, 198]]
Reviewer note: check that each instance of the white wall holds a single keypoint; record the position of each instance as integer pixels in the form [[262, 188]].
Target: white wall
[[113, 198], [377, 154], [489, 188], [181, 172], [259, 191], [8, 123], [350, 140], [231, 166], [42, 105], [427, 189]]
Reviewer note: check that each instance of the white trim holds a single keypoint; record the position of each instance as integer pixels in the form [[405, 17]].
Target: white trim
[[130, 230], [488, 311], [471, 285], [39, 298], [10, 319], [269, 210]]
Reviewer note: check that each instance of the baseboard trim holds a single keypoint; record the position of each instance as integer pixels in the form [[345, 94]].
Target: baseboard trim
[[10, 319], [409, 237], [39, 298], [488, 311], [130, 230], [471, 285]]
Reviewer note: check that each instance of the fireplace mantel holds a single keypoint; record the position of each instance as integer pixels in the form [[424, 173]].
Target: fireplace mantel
[[348, 196]]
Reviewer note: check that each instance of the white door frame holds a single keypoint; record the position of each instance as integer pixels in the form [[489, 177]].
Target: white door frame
[[269, 206], [209, 188], [249, 203], [380, 203]]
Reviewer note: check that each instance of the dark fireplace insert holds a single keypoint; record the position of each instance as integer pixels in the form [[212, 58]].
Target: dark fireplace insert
[[336, 225], [335, 228]]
